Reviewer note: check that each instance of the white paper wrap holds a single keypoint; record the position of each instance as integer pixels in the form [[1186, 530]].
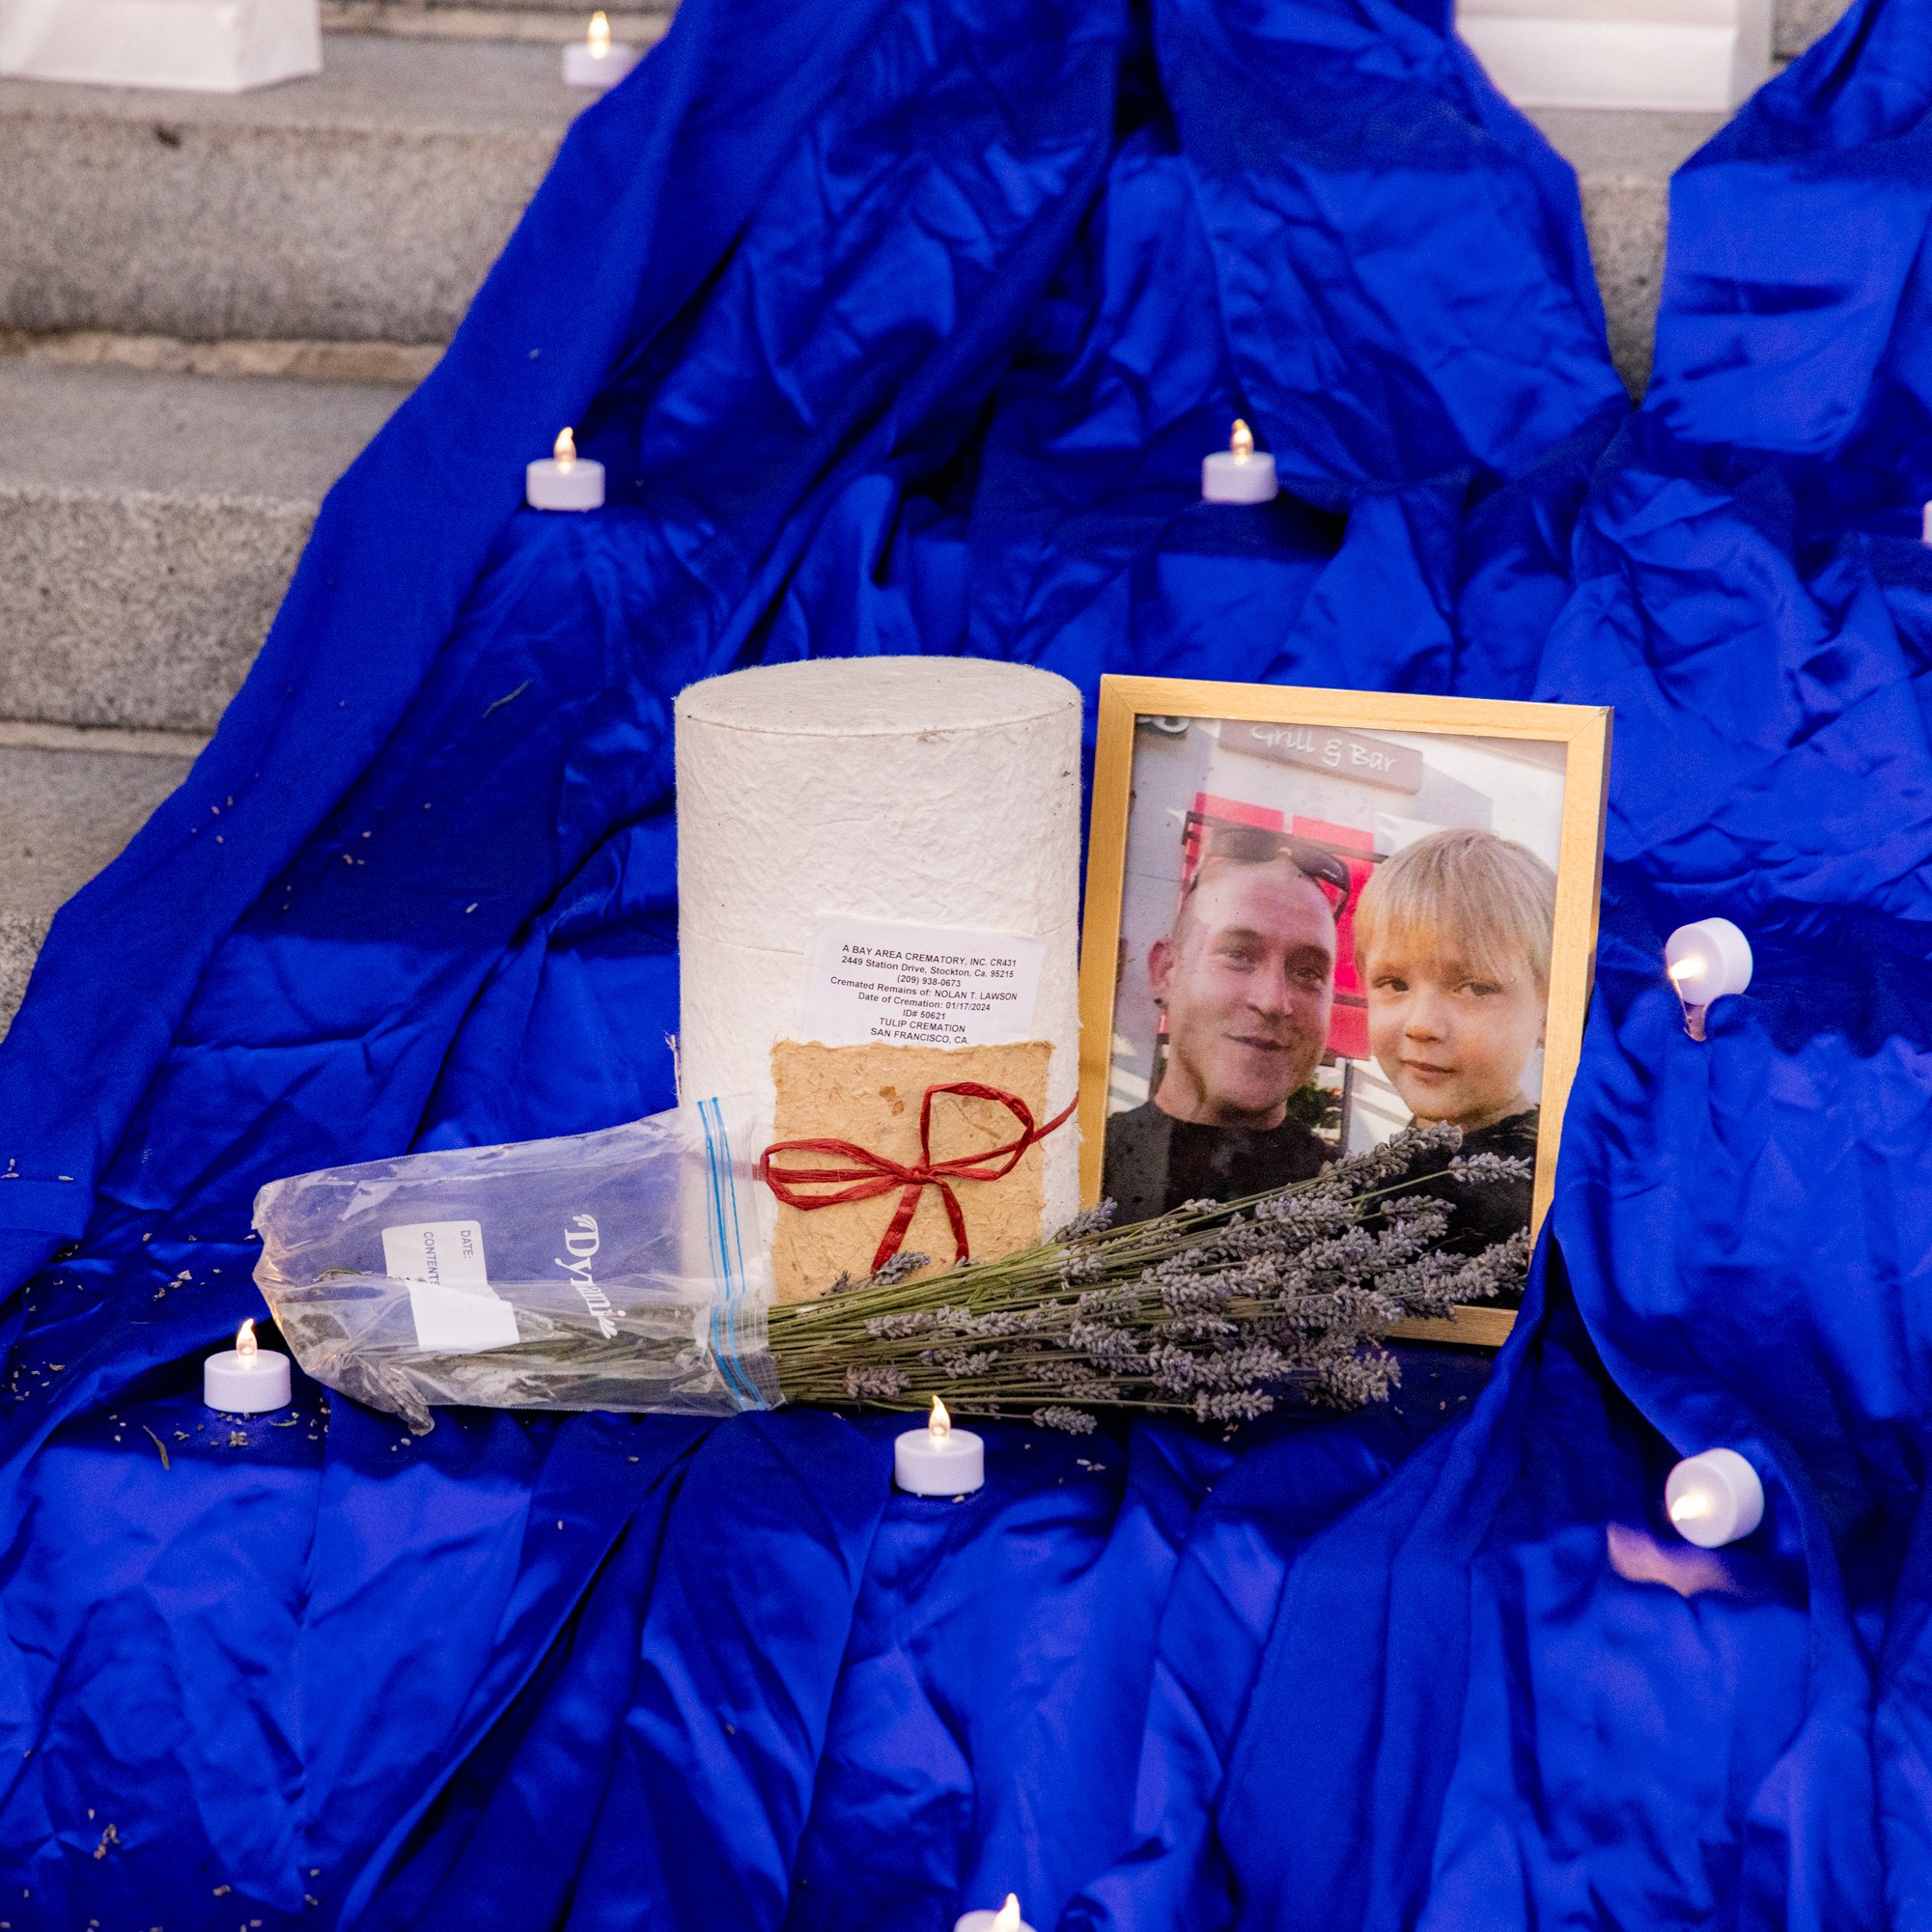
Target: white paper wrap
[[927, 791], [1703, 56], [211, 46]]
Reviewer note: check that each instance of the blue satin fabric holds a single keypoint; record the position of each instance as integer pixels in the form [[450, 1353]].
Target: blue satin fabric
[[902, 327], [1499, 1691]]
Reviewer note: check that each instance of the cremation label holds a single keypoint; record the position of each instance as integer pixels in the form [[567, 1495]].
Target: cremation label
[[920, 985]]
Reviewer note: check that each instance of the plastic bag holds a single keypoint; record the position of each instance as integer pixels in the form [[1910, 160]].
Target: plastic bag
[[624, 1270]]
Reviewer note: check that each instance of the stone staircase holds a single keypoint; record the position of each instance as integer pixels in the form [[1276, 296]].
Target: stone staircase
[[207, 306]]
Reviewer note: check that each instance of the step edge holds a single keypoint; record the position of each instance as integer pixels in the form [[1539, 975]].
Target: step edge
[[101, 740]]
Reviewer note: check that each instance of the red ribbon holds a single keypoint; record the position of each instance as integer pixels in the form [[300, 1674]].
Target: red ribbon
[[870, 1175]]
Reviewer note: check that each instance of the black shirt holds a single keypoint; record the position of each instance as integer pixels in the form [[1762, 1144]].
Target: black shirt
[[1153, 1162], [1481, 1214]]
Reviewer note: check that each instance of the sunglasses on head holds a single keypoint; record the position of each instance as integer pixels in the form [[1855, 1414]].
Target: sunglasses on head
[[1256, 845]]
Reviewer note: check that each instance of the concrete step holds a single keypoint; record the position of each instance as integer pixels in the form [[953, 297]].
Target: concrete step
[[68, 803], [1797, 23], [1624, 162], [399, 365], [365, 204], [549, 22], [148, 526], [567, 17], [150, 518]]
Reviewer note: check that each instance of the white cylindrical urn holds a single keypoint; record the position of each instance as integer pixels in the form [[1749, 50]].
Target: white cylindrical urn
[[936, 795]]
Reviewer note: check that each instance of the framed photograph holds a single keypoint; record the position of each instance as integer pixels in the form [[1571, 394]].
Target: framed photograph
[[1315, 916]]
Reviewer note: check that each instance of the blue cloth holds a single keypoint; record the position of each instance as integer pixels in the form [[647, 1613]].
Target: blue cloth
[[902, 327], [1499, 1692]]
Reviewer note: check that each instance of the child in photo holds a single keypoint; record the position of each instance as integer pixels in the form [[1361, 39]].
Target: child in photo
[[1452, 946]]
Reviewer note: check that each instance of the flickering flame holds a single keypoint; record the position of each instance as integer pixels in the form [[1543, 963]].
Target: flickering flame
[[1687, 969], [1691, 1505], [941, 1426], [565, 449], [1007, 1918], [1242, 442], [598, 38], [245, 1343]]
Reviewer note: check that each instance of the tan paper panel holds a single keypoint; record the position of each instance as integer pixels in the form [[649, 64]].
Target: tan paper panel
[[871, 1096]]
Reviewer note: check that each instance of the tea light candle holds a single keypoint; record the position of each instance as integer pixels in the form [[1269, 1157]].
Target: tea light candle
[[1714, 1498], [1006, 1920], [1704, 963], [597, 60], [247, 1379], [1241, 473], [564, 480], [939, 1460]]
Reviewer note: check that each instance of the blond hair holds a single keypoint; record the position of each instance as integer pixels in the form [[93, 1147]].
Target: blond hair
[[1486, 902]]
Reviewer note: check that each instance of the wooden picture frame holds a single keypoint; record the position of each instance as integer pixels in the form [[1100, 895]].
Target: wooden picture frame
[[1348, 745]]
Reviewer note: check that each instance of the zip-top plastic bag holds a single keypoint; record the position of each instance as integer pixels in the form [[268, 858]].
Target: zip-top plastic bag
[[624, 1269]]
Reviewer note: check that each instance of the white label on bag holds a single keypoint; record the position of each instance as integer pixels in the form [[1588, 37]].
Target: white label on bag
[[456, 1310], [920, 985], [447, 1254]]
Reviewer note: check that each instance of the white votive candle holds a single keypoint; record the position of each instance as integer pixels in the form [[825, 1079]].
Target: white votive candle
[[597, 60], [1006, 1920], [1705, 962], [564, 480], [939, 1460], [1241, 473], [1714, 1498], [246, 1378]]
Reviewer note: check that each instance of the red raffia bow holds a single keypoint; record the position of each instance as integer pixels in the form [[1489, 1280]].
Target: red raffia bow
[[870, 1175]]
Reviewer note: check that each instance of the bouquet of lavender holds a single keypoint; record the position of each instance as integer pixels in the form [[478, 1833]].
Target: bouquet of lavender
[[1216, 1310]]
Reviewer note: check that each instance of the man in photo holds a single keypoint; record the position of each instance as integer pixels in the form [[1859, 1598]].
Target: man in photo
[[1452, 939], [1245, 982]]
